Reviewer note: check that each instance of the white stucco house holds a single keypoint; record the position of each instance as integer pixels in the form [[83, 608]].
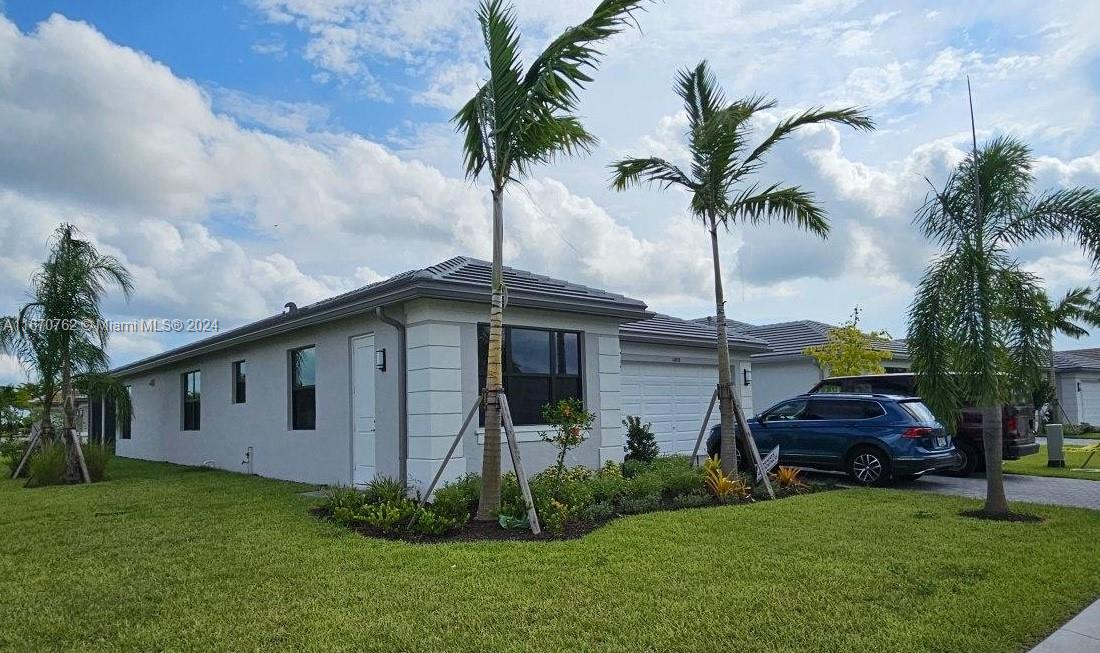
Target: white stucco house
[[1077, 374], [375, 382], [784, 371]]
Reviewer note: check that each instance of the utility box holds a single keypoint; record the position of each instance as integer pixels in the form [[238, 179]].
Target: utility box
[[1055, 457]]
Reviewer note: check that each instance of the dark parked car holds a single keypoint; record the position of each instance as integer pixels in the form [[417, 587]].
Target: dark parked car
[[1016, 431], [874, 438]]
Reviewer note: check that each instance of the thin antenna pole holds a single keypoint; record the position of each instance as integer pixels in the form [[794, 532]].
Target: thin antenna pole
[[974, 144]]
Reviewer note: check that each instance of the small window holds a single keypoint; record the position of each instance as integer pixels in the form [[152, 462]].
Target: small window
[[844, 409], [127, 421], [918, 410], [192, 400], [303, 389], [788, 411], [240, 370]]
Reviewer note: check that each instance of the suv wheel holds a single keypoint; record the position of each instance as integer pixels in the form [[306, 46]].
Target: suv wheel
[[869, 466], [970, 459]]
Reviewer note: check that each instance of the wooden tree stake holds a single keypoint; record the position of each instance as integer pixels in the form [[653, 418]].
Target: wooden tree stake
[[703, 427], [517, 464]]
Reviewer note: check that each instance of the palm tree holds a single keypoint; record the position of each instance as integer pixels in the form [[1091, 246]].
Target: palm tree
[[1077, 309], [515, 120], [978, 330], [62, 334], [721, 191]]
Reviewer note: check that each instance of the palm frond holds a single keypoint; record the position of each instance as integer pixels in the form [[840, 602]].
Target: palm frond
[[931, 340], [853, 117], [629, 172], [789, 205]]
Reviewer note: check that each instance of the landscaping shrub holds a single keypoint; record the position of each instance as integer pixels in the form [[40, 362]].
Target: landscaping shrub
[[11, 451], [641, 445], [385, 490], [97, 457], [644, 485], [790, 479], [458, 498], [607, 488], [432, 523], [599, 511], [570, 422], [47, 466], [725, 488], [638, 505], [692, 501]]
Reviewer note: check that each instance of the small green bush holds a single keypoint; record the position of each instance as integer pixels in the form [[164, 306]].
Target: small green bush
[[637, 505], [597, 512], [608, 489], [386, 517], [97, 457], [683, 482], [11, 451], [47, 466], [385, 490], [430, 522], [691, 501], [342, 497], [644, 485], [458, 498], [641, 445]]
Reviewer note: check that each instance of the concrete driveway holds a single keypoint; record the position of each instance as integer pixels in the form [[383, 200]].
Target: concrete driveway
[[1032, 489]]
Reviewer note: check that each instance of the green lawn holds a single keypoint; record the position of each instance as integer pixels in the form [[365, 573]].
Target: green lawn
[[1036, 464], [173, 558]]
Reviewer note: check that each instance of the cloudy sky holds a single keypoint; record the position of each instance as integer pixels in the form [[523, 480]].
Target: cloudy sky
[[237, 156]]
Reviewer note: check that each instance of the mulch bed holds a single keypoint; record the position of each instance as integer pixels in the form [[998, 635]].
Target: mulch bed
[[1018, 517], [474, 531]]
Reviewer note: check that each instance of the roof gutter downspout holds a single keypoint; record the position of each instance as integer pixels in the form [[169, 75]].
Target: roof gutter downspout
[[403, 404]]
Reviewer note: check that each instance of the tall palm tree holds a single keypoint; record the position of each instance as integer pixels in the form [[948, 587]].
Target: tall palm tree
[[515, 120], [978, 329], [61, 330], [721, 189], [1077, 309]]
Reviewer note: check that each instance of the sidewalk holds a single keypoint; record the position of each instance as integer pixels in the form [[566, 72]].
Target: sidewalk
[[1080, 635]]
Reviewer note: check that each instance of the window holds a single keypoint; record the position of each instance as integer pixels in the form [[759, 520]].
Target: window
[[192, 400], [240, 369], [843, 409], [789, 411], [127, 421], [303, 389], [918, 410], [540, 367]]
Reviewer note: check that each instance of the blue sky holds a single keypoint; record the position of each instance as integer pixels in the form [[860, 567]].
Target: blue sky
[[238, 155]]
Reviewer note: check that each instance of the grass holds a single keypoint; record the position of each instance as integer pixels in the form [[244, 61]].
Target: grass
[[1036, 464], [172, 558]]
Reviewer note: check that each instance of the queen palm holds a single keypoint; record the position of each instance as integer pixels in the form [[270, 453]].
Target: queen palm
[[720, 185], [1070, 316], [515, 120], [979, 329], [61, 333]]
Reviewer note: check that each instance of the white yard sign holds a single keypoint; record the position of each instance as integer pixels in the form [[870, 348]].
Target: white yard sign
[[768, 464]]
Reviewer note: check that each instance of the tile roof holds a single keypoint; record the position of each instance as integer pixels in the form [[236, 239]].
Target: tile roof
[[665, 329], [461, 278], [1077, 359], [790, 338]]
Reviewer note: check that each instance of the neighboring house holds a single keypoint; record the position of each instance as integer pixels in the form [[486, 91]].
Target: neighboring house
[[376, 382], [1077, 374], [785, 371]]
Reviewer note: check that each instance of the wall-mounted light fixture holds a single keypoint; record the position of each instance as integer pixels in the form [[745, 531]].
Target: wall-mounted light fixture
[[152, 382], [380, 359], [747, 374]]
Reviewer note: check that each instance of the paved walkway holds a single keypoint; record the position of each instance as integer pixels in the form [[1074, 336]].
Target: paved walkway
[[1080, 635], [1070, 442], [1033, 489]]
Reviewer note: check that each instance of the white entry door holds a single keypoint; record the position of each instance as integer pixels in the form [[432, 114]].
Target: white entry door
[[362, 407]]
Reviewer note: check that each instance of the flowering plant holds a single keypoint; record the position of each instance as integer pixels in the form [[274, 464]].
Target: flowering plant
[[570, 422]]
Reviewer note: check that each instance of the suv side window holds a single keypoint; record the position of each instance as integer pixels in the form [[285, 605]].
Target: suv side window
[[788, 411], [844, 409]]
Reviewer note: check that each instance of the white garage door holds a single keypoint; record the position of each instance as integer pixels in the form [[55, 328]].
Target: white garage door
[[1090, 401], [673, 397]]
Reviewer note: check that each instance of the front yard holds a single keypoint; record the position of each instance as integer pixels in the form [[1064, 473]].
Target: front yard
[[1036, 464], [173, 558]]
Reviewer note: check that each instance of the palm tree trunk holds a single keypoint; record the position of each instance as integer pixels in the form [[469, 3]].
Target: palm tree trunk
[[996, 503], [489, 503], [78, 469], [726, 403]]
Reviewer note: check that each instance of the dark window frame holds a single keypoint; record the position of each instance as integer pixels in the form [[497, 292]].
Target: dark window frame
[[555, 377], [188, 424], [240, 381], [126, 425], [297, 420]]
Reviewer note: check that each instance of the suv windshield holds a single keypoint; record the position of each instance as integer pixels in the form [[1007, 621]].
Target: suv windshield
[[918, 410]]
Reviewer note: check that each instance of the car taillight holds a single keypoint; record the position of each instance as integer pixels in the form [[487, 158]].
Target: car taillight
[[1010, 424], [915, 432]]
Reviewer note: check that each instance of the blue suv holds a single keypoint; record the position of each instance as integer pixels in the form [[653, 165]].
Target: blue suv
[[874, 438]]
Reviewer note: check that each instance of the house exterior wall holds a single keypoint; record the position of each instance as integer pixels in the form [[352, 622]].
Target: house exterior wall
[[446, 385], [774, 381], [322, 455], [1079, 394]]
